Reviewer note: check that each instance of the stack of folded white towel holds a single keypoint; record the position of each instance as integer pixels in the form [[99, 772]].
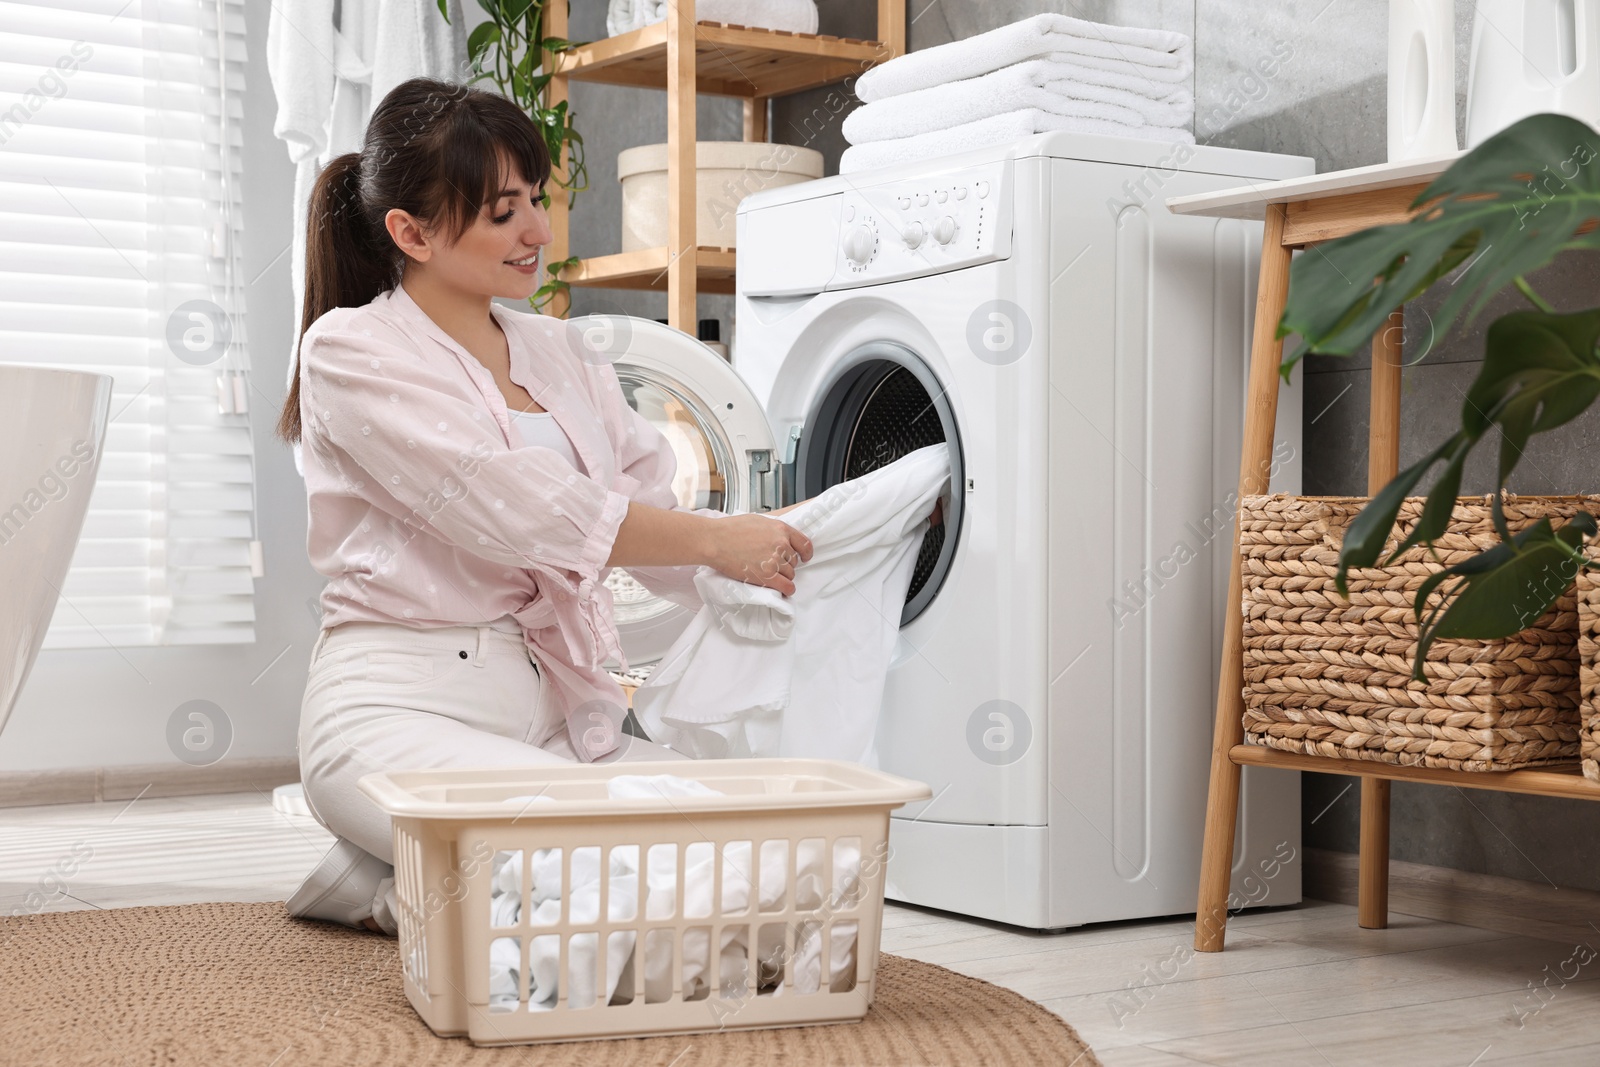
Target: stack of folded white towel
[[1048, 72], [796, 16], [700, 975]]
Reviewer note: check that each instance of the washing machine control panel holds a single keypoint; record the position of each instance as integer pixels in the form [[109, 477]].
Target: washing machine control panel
[[944, 220]]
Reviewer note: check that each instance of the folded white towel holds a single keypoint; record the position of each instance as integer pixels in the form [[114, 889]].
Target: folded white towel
[[1046, 84], [1000, 129], [621, 16], [1158, 55], [796, 16]]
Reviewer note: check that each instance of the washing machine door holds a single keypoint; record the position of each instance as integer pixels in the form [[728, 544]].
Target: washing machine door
[[875, 404], [719, 433]]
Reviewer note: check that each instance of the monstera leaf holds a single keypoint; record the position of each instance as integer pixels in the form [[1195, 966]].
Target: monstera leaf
[[1510, 205], [1504, 209]]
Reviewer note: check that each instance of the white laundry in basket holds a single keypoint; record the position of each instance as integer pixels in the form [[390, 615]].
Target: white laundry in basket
[[544, 896], [760, 674]]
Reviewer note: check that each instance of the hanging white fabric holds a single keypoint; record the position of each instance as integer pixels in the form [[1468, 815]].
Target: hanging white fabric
[[760, 674], [328, 78]]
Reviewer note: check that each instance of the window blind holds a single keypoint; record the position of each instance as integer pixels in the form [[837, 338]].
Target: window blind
[[120, 212]]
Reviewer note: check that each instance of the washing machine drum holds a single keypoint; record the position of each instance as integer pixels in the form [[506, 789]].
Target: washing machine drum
[[883, 403], [879, 404]]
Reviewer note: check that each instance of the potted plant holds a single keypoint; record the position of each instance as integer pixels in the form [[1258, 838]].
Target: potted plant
[[1503, 209], [504, 50]]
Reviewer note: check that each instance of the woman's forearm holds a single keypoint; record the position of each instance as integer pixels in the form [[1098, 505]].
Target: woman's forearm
[[661, 537]]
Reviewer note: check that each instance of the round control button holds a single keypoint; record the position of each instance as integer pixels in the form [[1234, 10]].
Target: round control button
[[982, 188], [858, 245], [922, 199], [961, 192], [942, 196]]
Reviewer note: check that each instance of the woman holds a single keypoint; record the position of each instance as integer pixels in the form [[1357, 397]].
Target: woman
[[472, 476]]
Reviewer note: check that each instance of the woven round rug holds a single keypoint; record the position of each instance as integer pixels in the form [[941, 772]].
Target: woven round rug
[[227, 983]]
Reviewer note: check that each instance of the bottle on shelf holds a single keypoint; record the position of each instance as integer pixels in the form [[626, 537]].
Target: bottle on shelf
[[711, 336]]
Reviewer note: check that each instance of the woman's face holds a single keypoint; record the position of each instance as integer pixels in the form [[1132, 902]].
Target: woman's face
[[484, 259]]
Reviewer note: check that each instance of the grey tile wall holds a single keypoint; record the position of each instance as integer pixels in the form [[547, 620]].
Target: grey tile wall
[[1305, 77]]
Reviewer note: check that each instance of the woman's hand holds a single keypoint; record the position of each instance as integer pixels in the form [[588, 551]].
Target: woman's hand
[[758, 549]]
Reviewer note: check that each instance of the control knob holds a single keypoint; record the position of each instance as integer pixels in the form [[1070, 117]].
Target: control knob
[[858, 245]]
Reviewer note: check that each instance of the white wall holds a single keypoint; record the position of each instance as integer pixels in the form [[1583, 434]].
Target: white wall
[[108, 706]]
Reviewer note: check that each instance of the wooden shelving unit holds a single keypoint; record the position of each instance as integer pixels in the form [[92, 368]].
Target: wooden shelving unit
[[686, 58], [643, 269], [1300, 213]]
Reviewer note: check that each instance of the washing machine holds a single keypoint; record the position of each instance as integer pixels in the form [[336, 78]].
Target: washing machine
[[1082, 353]]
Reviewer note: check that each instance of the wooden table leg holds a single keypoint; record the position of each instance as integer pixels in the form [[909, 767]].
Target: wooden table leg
[[555, 25], [1383, 463], [683, 250], [1260, 420]]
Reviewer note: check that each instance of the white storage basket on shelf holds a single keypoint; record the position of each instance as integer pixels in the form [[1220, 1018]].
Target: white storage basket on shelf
[[500, 893]]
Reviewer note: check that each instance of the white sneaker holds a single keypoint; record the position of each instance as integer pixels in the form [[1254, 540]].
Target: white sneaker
[[383, 908], [346, 887]]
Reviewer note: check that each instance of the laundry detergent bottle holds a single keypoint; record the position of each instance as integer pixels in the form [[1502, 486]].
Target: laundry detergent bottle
[[1422, 78], [1532, 56]]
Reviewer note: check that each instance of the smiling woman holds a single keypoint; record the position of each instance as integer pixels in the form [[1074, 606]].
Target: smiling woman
[[466, 620]]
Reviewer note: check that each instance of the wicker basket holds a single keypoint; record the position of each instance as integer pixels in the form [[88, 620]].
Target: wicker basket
[[1588, 596], [1331, 677]]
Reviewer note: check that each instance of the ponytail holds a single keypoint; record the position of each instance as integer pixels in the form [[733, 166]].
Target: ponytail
[[346, 264], [432, 150]]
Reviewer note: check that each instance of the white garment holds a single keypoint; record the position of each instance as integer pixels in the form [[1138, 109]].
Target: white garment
[[539, 428], [796, 16], [760, 674], [1158, 55], [771, 880], [1047, 84], [328, 79], [1011, 126]]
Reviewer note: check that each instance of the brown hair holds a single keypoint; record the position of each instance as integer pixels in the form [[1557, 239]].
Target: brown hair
[[432, 150]]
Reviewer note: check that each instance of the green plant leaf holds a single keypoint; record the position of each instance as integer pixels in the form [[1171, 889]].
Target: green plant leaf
[[444, 12], [1540, 371], [1363, 540], [1441, 501], [483, 35], [1511, 204], [1503, 590]]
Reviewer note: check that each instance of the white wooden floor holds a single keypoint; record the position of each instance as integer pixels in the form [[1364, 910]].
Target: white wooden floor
[[1296, 986]]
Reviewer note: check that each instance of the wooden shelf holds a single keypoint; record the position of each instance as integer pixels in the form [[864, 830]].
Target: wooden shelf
[[730, 60], [1296, 214], [686, 57], [646, 268], [1557, 780]]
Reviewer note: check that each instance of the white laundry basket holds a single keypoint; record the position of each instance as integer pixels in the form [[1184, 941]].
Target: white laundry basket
[[784, 829]]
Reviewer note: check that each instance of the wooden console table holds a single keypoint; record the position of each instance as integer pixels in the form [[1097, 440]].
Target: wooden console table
[[1299, 213]]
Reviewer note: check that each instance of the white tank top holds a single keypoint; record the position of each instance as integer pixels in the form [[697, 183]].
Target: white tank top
[[538, 428]]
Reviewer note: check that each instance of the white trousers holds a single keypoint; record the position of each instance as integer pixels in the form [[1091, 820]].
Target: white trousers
[[386, 697]]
